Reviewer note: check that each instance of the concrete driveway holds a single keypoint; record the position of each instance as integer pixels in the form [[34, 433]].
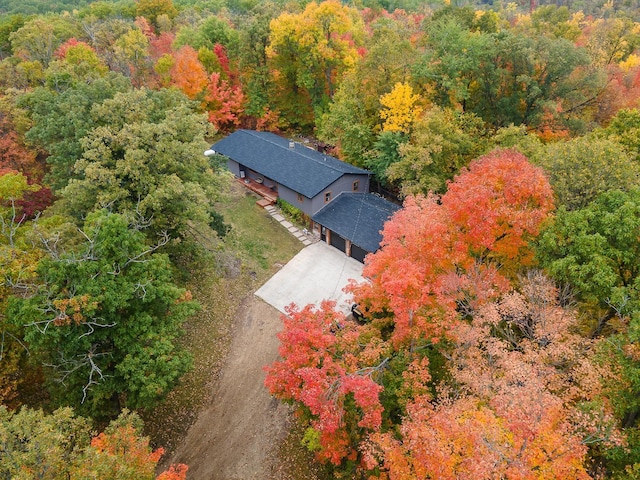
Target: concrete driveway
[[317, 273]]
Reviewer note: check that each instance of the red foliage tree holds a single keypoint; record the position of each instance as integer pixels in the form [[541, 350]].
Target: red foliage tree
[[320, 372], [61, 52], [224, 102], [440, 255], [175, 472], [223, 59], [13, 154], [161, 45], [437, 268], [15, 157]]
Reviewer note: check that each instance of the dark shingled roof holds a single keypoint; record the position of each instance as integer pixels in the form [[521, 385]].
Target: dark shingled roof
[[301, 169], [358, 217]]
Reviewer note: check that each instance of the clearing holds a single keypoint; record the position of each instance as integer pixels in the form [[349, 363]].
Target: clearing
[[221, 421]]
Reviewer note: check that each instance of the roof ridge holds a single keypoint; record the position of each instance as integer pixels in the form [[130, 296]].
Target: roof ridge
[[255, 134]]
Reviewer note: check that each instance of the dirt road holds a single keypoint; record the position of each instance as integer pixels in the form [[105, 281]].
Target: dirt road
[[237, 436]]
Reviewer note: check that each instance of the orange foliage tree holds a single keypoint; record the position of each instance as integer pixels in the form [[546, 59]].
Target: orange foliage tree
[[527, 401], [442, 261], [121, 452], [187, 72]]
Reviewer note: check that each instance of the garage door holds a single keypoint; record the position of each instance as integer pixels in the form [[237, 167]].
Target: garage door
[[358, 253], [338, 242]]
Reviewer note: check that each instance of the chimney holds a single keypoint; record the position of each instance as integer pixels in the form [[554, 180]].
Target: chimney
[[292, 145]]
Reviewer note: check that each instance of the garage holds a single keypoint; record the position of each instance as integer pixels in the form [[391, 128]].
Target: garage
[[358, 253], [352, 223], [338, 242]]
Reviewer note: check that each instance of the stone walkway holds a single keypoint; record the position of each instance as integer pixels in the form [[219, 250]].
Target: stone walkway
[[306, 239]]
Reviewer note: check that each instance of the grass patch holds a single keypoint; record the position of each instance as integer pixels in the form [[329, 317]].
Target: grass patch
[[256, 247]]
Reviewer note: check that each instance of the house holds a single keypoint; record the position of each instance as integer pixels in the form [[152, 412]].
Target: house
[[303, 177], [334, 195]]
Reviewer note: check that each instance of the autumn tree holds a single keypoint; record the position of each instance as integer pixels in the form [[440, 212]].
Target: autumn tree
[[321, 373], [131, 56], [76, 62], [103, 317], [60, 445], [224, 102], [437, 266], [187, 73], [13, 153], [400, 108], [352, 121], [526, 399], [309, 53]]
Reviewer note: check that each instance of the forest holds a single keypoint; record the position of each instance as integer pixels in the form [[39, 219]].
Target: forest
[[501, 329]]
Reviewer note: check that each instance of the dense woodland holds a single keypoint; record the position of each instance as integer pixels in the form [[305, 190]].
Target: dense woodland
[[501, 329]]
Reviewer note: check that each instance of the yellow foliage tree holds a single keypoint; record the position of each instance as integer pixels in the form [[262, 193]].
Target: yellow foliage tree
[[400, 108]]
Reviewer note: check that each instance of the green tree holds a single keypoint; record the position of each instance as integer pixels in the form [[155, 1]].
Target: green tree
[[146, 161], [551, 20], [385, 153], [584, 167], [624, 127], [441, 143], [40, 37], [453, 61], [348, 123], [213, 30], [152, 9], [62, 120], [507, 76], [131, 54], [9, 24], [254, 39], [105, 319], [596, 250]]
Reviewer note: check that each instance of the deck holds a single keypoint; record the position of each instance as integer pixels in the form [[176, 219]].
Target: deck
[[269, 197]]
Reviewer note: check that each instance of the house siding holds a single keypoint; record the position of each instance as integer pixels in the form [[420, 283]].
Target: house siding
[[233, 167], [291, 197], [343, 184]]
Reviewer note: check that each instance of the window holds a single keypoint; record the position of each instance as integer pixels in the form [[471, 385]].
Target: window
[[327, 197], [356, 186], [300, 198]]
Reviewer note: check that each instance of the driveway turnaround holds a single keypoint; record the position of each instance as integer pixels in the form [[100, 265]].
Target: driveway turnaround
[[318, 272]]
